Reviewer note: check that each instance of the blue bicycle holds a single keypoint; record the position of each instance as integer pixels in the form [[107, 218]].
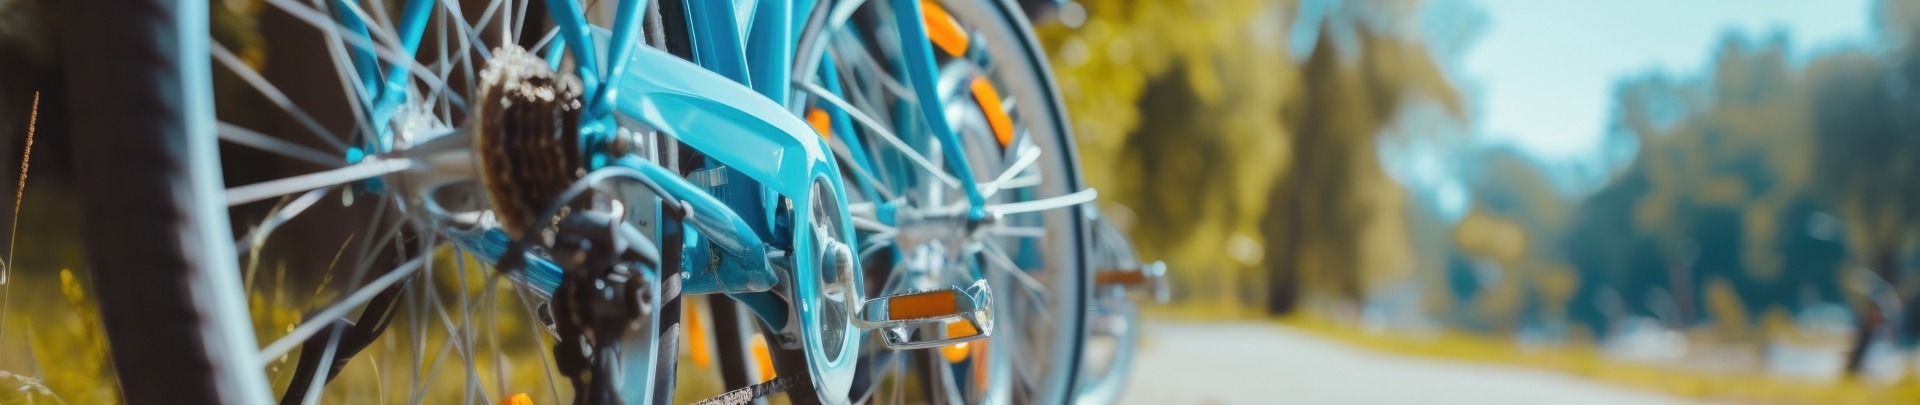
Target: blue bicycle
[[844, 182]]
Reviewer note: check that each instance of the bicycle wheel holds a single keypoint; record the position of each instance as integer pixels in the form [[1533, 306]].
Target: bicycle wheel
[[173, 285], [998, 94]]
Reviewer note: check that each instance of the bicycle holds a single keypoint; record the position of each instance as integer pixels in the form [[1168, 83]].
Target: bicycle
[[771, 154]]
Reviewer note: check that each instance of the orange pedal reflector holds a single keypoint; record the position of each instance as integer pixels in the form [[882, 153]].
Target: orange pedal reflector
[[697, 346], [517, 399], [764, 358], [989, 99], [1122, 277], [821, 122], [954, 353], [980, 352], [942, 29], [960, 329], [923, 305]]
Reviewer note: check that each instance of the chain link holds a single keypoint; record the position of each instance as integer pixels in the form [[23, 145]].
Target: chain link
[[750, 393]]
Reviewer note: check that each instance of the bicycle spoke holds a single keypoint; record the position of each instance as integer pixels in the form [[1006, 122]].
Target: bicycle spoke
[[875, 70], [439, 97], [865, 224], [466, 317], [247, 137], [860, 208], [1035, 290], [519, 22], [875, 243], [540, 338], [387, 54], [471, 31], [280, 217], [371, 167], [885, 193], [1077, 198], [447, 64], [458, 341], [320, 320], [416, 324], [506, 25], [1028, 154], [867, 97], [273, 94], [881, 131], [349, 78], [380, 28], [1017, 231], [1020, 182], [544, 40]]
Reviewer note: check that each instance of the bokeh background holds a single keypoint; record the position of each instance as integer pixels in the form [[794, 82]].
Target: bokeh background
[[1710, 200]]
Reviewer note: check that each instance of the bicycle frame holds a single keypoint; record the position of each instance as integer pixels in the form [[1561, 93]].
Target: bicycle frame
[[730, 104]]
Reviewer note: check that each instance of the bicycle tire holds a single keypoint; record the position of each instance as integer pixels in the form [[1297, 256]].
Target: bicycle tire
[[163, 270]]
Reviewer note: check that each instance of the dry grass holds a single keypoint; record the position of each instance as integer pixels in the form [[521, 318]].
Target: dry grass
[[1740, 387]]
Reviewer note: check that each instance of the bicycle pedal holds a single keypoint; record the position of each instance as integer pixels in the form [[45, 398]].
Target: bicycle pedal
[[928, 319], [1151, 277]]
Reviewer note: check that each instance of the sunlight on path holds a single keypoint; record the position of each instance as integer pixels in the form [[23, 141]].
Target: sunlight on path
[[1261, 363]]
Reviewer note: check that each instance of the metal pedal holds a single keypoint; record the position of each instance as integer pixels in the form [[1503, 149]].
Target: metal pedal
[[927, 319], [1151, 277], [1116, 263]]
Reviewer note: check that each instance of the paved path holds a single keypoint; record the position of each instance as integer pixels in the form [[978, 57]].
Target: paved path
[[1258, 363]]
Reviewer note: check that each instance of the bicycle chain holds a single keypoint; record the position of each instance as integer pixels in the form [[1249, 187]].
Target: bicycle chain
[[748, 394]]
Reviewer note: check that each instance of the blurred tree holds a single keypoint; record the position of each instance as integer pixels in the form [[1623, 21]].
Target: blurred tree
[[1488, 236], [1722, 169], [1172, 103], [1514, 207], [1864, 158], [1320, 206]]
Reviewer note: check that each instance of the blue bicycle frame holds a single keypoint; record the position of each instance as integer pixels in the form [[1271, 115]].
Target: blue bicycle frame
[[730, 104]]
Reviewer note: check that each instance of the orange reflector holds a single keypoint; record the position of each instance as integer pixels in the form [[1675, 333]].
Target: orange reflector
[[1119, 277], [922, 305], [957, 352], [942, 29], [517, 399], [989, 99], [980, 351], [821, 123], [954, 353], [764, 358], [961, 329], [697, 346]]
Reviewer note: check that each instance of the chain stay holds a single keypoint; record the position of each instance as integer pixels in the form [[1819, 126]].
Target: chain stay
[[748, 394]]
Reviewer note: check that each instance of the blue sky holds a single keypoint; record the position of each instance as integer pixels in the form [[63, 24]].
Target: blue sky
[[1544, 71], [1541, 73]]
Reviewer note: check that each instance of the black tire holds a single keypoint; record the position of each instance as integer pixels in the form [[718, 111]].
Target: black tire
[[163, 270], [667, 358], [730, 334]]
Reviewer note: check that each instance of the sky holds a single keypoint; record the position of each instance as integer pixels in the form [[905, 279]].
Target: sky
[[1545, 70], [1540, 74]]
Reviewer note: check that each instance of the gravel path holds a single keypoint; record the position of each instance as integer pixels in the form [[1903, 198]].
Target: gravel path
[[1257, 363]]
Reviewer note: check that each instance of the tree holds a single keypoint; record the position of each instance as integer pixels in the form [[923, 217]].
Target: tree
[[1865, 159], [1331, 193]]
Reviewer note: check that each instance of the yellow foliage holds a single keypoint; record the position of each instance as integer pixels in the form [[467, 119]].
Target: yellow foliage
[[1491, 237], [1729, 312]]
